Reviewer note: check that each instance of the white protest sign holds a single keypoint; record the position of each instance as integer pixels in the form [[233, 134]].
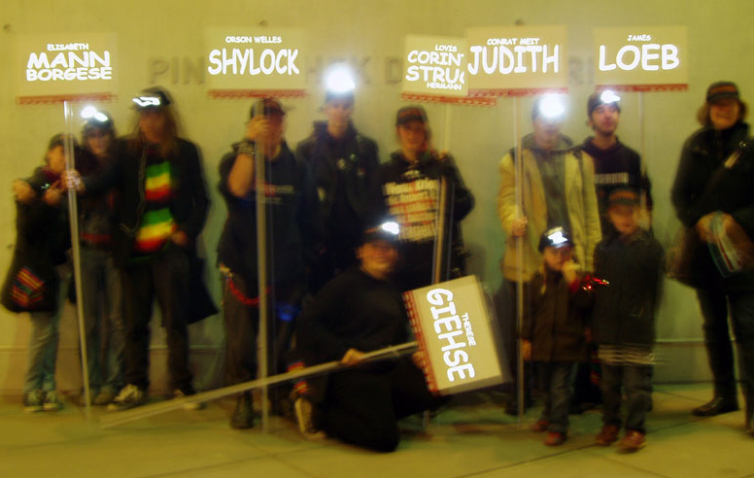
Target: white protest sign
[[456, 335], [252, 62], [641, 58], [60, 67], [517, 60]]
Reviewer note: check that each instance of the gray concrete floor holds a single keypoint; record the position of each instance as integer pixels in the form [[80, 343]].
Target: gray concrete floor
[[472, 437]]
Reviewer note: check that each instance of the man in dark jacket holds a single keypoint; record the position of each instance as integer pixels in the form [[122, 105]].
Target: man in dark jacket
[[161, 207], [292, 236], [344, 163], [615, 164]]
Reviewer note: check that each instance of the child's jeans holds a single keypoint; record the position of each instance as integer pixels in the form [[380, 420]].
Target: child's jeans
[[637, 383], [555, 379]]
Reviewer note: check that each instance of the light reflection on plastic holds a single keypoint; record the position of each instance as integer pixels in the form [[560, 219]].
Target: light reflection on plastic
[[551, 107], [339, 80]]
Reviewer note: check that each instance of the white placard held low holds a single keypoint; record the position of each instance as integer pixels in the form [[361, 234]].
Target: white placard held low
[[455, 332]]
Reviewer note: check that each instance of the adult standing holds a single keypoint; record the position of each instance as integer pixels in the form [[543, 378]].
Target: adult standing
[[160, 210], [715, 174], [411, 183], [100, 279], [292, 236], [344, 163], [557, 190]]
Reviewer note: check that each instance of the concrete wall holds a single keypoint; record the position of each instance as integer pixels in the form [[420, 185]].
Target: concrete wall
[[156, 40]]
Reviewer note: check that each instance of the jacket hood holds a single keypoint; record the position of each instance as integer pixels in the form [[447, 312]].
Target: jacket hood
[[563, 145]]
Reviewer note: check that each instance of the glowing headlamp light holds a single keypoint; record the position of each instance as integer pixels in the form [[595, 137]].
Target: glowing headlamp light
[[90, 112], [608, 97], [339, 80], [392, 227], [557, 239], [147, 101], [551, 107]]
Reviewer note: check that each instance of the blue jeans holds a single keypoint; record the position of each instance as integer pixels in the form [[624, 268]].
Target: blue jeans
[[43, 342], [637, 383], [555, 379], [103, 319]]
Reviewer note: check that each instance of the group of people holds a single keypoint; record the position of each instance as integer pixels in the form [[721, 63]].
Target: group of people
[[346, 235]]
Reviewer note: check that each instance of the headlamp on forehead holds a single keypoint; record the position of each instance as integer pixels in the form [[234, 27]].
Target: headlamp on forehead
[[147, 101], [557, 239], [90, 113], [608, 97], [339, 80], [551, 107], [392, 227]]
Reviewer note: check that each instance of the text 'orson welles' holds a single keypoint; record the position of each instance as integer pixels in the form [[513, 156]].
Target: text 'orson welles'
[[260, 61], [448, 326], [73, 62]]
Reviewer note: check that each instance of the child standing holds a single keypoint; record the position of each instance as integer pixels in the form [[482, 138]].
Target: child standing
[[630, 261], [37, 277], [554, 329]]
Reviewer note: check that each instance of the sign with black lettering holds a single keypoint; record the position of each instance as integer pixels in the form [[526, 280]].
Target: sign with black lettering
[[65, 67], [641, 58], [255, 62], [519, 60], [455, 332]]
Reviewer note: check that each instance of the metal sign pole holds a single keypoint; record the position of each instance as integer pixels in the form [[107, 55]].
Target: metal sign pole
[[519, 175], [73, 219], [262, 340]]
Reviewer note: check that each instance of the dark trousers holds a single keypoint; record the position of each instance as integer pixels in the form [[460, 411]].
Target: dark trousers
[[166, 278], [555, 380], [636, 381], [715, 310], [242, 329], [714, 305], [363, 405]]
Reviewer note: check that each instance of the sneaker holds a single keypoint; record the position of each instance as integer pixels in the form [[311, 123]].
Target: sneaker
[[130, 396], [305, 416], [33, 401], [555, 439], [633, 441], [52, 402], [243, 415], [540, 426], [607, 436], [185, 393], [104, 397]]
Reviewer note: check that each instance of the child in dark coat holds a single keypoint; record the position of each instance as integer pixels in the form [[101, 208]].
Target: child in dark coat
[[554, 329], [630, 261]]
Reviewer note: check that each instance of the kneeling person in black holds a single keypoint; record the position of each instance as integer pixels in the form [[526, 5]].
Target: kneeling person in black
[[357, 312]]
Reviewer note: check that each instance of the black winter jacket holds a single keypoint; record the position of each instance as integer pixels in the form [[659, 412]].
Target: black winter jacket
[[555, 319], [624, 309], [702, 187]]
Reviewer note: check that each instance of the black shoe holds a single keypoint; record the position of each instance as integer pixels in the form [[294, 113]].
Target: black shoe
[[243, 415], [717, 406]]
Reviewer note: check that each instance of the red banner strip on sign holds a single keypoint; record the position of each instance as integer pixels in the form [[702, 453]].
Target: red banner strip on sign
[[643, 88], [410, 303], [234, 94], [456, 100], [38, 100], [516, 92]]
